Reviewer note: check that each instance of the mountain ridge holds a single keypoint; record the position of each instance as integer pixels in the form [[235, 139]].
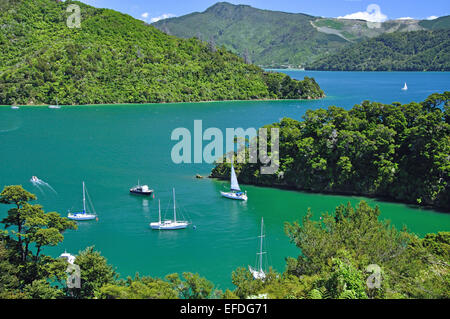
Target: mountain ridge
[[274, 39]]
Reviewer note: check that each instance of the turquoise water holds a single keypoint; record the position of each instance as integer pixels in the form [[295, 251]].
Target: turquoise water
[[111, 147]]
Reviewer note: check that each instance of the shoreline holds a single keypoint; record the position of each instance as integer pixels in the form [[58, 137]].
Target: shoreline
[[158, 103], [386, 71], [440, 210]]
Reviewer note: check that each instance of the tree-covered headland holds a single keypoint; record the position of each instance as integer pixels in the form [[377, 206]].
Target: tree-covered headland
[[394, 151], [397, 51], [350, 254], [113, 59]]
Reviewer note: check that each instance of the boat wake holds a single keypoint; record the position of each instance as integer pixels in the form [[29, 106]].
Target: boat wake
[[40, 183]]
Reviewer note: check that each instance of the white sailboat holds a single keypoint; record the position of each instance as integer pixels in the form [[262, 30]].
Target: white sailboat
[[84, 215], [405, 88], [54, 106], [169, 224], [258, 272], [236, 192]]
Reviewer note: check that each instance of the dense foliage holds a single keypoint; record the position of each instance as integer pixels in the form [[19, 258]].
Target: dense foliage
[[398, 51], [114, 58], [337, 252], [396, 151]]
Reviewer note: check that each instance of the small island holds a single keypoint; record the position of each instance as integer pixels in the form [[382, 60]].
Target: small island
[[398, 152]]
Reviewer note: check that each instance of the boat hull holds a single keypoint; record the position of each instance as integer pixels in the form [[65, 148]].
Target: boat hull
[[242, 197], [257, 274], [167, 226], [149, 193], [81, 217]]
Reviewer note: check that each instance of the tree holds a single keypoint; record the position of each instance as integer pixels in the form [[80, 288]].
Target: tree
[[193, 286], [95, 273], [139, 288], [16, 195]]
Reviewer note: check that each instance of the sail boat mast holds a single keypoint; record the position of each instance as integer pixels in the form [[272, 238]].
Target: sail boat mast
[[261, 246], [174, 207], [84, 198], [159, 209]]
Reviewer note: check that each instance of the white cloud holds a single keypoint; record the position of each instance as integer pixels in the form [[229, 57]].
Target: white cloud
[[432, 18], [162, 17], [372, 14], [405, 18], [146, 17]]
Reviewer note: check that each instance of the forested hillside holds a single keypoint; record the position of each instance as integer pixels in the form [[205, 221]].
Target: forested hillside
[[291, 40], [268, 38], [399, 51], [114, 58]]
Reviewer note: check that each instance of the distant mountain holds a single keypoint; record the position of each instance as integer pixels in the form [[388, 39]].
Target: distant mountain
[[267, 38], [280, 39], [441, 23], [398, 51], [114, 58]]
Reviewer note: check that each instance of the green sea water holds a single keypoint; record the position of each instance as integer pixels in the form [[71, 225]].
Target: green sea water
[[111, 147]]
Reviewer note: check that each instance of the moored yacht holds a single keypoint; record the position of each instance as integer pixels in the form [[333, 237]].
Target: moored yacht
[[169, 224], [84, 215], [236, 192]]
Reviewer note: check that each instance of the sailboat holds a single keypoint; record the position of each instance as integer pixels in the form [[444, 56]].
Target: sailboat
[[236, 192], [405, 88], [169, 224], [258, 272], [84, 215], [54, 106]]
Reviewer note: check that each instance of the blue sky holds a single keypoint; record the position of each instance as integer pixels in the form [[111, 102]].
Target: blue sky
[[372, 10]]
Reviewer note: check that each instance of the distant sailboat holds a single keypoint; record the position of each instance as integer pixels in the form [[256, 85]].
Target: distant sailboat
[[169, 224], [236, 192], [54, 106], [84, 215], [405, 88], [258, 272]]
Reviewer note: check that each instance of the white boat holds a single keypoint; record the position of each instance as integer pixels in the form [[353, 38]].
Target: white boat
[[169, 224], [405, 88], [68, 257], [236, 192], [14, 107], [258, 272], [141, 190], [54, 106], [34, 179], [84, 215]]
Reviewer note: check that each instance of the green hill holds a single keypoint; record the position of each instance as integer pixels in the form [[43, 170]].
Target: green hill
[[114, 58], [279, 39], [436, 24], [268, 38], [399, 51]]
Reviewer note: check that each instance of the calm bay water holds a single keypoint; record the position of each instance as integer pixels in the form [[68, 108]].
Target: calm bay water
[[111, 147]]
